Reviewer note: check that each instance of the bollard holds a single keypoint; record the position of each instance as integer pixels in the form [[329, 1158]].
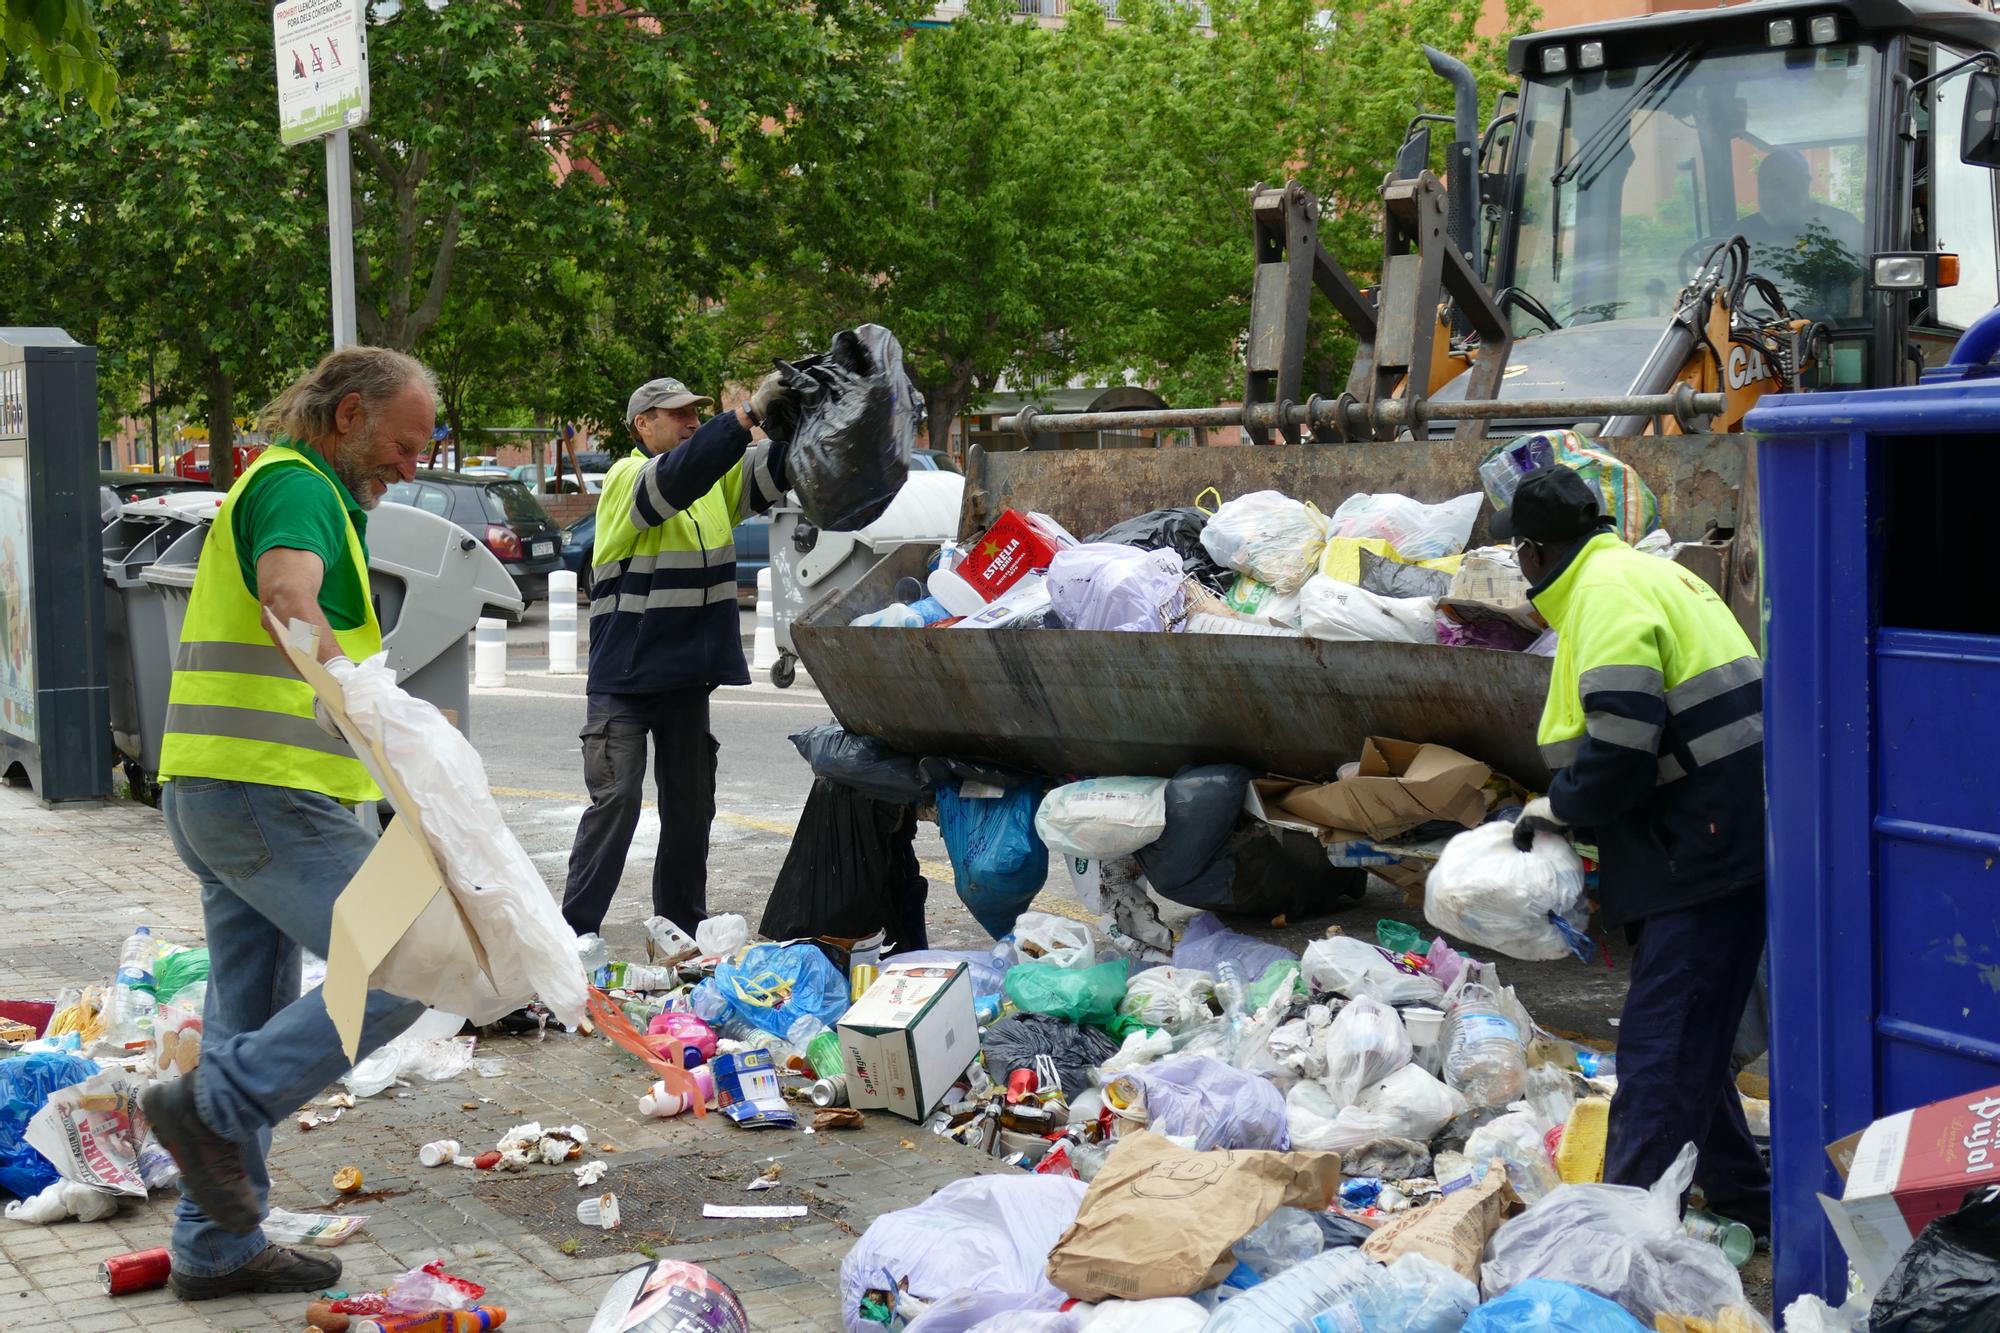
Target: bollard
[[764, 643], [562, 623], [489, 653]]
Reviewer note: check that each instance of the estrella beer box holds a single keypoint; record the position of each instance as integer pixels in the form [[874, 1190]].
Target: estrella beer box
[[1909, 1169], [1016, 545]]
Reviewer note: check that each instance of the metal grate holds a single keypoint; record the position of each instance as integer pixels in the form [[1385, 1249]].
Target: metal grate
[[659, 1200]]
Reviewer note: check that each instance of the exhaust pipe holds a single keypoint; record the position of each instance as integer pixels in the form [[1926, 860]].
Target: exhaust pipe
[[1462, 187]]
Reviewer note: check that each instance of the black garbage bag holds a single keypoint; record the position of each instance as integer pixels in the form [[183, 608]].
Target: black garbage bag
[[1392, 578], [1948, 1281], [1179, 529], [863, 763], [852, 420], [1013, 1043], [847, 873], [936, 770], [1203, 803]]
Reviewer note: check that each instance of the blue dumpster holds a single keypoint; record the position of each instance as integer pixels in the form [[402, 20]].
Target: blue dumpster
[[1881, 518]]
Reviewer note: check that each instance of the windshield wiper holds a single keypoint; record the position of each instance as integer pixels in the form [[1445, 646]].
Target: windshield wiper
[[1612, 131]]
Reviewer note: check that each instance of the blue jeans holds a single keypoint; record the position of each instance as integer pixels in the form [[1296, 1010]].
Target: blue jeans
[[271, 861]]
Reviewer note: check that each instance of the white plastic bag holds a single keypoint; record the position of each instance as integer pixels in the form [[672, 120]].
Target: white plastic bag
[[724, 935], [1515, 1141], [1484, 891], [1271, 537], [1310, 1115], [1409, 1104], [1347, 612], [1365, 1044], [1100, 818], [1354, 968], [1418, 531], [1168, 997], [420, 1052], [1109, 586], [60, 1202], [983, 1233], [530, 949], [1625, 1244], [1043, 937], [1165, 1314]]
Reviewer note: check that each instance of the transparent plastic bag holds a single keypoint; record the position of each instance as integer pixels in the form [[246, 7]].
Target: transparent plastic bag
[[1364, 1045], [1105, 586], [1285, 1239], [1416, 1295], [1271, 537], [1516, 1141], [1355, 968], [1220, 1106], [1100, 818], [1043, 937], [1487, 892], [1625, 1244], [1169, 997], [1416, 530]]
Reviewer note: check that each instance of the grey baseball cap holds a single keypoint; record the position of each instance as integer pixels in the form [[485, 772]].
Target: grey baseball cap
[[663, 392]]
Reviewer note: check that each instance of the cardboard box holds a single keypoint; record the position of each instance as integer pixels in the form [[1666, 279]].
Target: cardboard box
[[1015, 545], [909, 1037], [1908, 1169], [1399, 785]]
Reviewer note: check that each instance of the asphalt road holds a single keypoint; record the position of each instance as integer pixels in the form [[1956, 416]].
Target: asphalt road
[[527, 735]]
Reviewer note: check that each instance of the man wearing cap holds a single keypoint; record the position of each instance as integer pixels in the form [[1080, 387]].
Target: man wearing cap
[[663, 634], [1654, 728]]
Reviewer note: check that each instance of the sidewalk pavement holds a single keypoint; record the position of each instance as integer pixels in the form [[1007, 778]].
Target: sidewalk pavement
[[85, 877]]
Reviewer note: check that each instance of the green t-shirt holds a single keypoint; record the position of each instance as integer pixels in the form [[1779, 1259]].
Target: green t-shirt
[[286, 505]]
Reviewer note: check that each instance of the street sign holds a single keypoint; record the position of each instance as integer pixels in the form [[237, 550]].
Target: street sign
[[322, 67]]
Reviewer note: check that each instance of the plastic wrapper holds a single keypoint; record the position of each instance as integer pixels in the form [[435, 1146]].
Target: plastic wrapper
[[26, 1081], [1364, 1045], [863, 763], [1416, 530], [1625, 1244], [1203, 804], [1101, 818], [1485, 891], [1948, 1281], [1355, 968], [1206, 942], [1179, 529], [1087, 995], [1285, 1239], [772, 985], [999, 863], [1193, 1095], [1014, 1042], [1621, 491], [1346, 612], [1516, 1141], [984, 1233], [1414, 1295], [1271, 537], [847, 869], [1168, 997], [1247, 599], [1106, 586], [1541, 1306], [851, 425]]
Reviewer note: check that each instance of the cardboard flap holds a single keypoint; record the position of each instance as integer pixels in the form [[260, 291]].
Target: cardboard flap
[[1400, 785]]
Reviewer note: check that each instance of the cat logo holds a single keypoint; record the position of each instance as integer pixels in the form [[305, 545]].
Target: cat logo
[[1744, 367]]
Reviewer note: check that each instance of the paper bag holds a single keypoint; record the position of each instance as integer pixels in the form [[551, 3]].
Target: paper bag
[[1453, 1231], [1159, 1220], [1399, 785]]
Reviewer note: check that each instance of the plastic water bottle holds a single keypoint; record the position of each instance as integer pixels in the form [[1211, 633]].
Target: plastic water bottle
[[709, 1005], [1291, 1299], [1483, 1054], [1229, 989], [594, 958], [128, 1010]]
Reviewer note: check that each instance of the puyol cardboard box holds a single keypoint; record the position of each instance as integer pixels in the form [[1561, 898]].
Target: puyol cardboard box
[[1906, 1170], [909, 1037]]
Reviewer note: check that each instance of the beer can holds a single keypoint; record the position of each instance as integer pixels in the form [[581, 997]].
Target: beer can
[[860, 978], [828, 1092], [141, 1270]]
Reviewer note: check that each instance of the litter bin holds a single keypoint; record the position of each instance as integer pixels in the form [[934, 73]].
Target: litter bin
[[430, 578], [1880, 731], [808, 563]]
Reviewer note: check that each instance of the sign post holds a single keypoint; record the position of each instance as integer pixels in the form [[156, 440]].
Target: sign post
[[322, 68]]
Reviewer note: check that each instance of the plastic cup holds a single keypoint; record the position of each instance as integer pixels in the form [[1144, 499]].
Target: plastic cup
[[601, 1211], [1423, 1024]]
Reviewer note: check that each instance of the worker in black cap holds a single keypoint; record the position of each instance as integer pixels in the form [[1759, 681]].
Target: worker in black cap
[[1654, 729]]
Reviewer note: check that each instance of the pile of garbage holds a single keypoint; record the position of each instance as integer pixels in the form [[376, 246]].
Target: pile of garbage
[[1381, 567]]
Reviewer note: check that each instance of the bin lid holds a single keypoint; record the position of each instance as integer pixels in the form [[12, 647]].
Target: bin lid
[[925, 510], [184, 506]]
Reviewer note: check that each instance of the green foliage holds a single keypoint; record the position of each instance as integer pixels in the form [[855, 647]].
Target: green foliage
[[60, 42]]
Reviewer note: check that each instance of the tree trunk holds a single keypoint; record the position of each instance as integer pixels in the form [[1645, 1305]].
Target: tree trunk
[[942, 404], [221, 425]]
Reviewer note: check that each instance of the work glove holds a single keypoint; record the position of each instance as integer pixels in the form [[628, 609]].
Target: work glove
[[773, 393], [1537, 816]]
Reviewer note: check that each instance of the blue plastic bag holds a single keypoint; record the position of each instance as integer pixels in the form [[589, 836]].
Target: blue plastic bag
[[1541, 1306], [998, 860], [772, 985], [25, 1084]]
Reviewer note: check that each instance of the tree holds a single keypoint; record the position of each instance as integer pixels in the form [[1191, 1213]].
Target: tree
[[59, 40]]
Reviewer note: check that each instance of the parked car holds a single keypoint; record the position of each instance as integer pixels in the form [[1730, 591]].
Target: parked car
[[932, 460], [498, 511], [753, 552], [123, 488], [551, 484]]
